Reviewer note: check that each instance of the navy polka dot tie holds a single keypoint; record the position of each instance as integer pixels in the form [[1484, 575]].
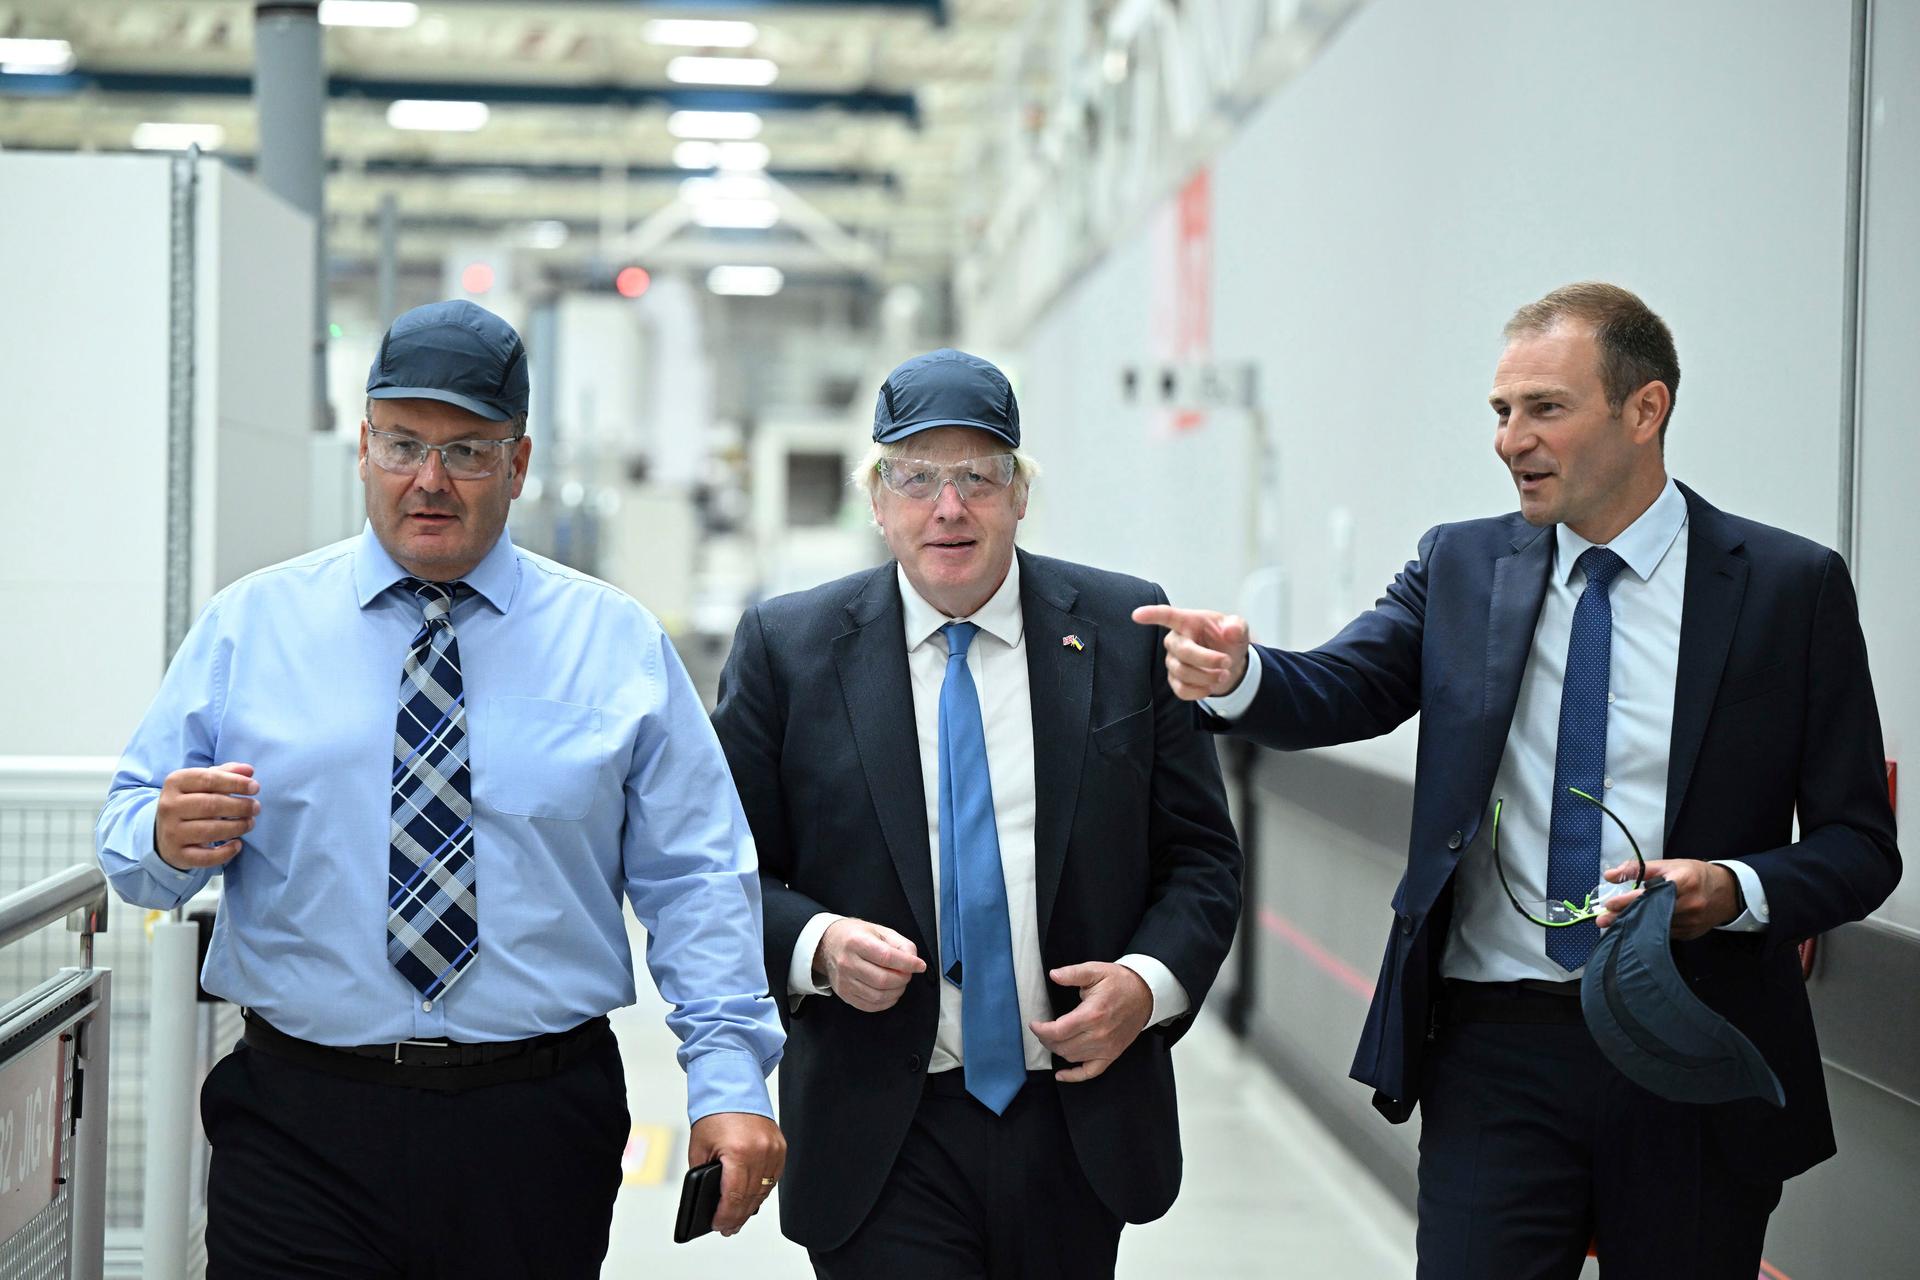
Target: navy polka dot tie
[[1573, 839]]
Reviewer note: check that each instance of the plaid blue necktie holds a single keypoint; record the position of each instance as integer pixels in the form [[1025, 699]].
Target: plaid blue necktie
[[433, 927], [1580, 759], [976, 937]]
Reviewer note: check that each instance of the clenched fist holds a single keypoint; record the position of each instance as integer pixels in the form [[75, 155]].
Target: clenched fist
[[868, 965], [202, 814]]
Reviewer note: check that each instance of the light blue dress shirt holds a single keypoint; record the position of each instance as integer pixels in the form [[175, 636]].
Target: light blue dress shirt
[[595, 772]]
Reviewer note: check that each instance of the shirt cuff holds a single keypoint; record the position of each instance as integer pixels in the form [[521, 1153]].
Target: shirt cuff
[[800, 970], [726, 1080], [1169, 997], [1231, 706], [1755, 918], [166, 876]]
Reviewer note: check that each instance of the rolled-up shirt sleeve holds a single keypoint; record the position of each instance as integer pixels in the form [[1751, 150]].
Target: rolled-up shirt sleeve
[[694, 882], [181, 730]]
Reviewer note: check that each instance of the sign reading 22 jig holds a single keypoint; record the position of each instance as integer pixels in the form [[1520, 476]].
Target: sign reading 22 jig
[[30, 1133]]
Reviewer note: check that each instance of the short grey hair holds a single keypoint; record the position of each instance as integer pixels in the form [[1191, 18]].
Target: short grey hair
[[866, 474], [518, 424]]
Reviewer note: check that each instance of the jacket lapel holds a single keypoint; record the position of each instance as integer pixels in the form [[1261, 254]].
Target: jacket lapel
[[1716, 583], [872, 661], [1519, 588], [1060, 687]]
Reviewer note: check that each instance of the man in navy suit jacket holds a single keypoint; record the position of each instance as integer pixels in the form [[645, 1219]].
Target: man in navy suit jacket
[[1081, 851], [1710, 673]]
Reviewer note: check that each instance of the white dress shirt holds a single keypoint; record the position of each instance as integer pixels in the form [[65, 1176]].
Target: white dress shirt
[[997, 661], [1488, 940]]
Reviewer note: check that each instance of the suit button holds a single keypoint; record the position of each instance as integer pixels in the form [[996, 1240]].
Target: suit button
[[1406, 924], [1453, 841], [913, 1062]]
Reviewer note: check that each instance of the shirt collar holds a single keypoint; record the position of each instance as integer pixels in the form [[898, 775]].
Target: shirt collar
[[493, 579], [1642, 544], [1000, 617]]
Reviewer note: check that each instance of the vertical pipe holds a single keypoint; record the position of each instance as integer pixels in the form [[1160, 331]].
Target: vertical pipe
[[182, 319], [389, 259], [170, 1101], [90, 1152], [1853, 297], [289, 92]]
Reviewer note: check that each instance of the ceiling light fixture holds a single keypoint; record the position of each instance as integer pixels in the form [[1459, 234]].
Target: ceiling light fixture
[[728, 71], [745, 282], [35, 57], [700, 33], [368, 13], [734, 156], [177, 136], [725, 186], [725, 126], [737, 215], [437, 115]]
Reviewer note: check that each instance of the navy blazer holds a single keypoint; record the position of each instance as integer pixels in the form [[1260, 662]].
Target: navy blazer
[[1773, 713], [1133, 852]]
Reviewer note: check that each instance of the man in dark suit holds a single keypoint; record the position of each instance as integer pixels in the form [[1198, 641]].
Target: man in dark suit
[[1702, 673], [998, 870]]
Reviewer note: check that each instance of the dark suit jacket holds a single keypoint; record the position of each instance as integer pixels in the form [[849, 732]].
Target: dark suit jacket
[[1134, 852], [1773, 712]]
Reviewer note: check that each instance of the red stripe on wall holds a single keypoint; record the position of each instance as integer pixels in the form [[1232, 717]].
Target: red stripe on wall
[[1315, 954]]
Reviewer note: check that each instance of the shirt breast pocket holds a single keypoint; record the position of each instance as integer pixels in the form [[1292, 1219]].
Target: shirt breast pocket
[[541, 759]]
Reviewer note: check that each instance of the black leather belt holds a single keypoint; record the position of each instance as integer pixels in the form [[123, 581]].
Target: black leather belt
[[1527, 1001], [434, 1064]]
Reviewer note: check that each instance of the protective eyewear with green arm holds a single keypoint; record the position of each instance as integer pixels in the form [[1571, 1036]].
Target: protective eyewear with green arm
[[1563, 913]]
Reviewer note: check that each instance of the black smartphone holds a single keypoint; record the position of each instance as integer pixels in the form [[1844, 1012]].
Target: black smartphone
[[699, 1197]]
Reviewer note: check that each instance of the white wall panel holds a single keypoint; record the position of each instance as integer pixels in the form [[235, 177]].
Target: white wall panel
[[83, 350], [1377, 221], [1889, 464]]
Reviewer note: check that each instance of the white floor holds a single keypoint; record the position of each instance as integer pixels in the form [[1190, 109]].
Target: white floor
[[1268, 1192]]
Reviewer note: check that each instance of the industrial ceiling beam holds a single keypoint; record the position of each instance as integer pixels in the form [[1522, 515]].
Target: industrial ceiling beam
[[494, 93]]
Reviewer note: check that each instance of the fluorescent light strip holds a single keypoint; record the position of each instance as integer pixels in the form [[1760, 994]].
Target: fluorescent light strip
[[731, 71], [726, 186], [438, 115], [158, 135], [368, 13], [737, 215], [745, 282], [725, 126], [699, 33], [733, 156], [35, 57]]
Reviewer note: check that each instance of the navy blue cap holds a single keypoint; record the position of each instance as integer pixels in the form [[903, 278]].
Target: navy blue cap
[[453, 352], [946, 388], [1650, 1025]]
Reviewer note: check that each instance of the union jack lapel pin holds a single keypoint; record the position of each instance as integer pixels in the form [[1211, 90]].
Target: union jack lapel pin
[[1071, 642]]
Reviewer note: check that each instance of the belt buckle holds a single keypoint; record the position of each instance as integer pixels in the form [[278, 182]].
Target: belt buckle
[[398, 1045]]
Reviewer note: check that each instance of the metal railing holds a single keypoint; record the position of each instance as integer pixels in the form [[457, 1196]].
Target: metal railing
[[54, 1114], [155, 1156]]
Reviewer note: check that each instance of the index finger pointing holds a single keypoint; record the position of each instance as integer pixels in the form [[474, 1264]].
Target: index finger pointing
[[1185, 621]]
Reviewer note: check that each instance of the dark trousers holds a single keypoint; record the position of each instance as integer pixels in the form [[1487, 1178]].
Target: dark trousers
[[1532, 1145], [314, 1175], [977, 1195]]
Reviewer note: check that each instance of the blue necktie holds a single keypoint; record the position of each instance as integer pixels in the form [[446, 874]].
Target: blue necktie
[[433, 927], [976, 941], [1580, 760]]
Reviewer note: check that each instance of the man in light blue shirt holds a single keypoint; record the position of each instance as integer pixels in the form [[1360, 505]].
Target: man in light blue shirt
[[428, 764]]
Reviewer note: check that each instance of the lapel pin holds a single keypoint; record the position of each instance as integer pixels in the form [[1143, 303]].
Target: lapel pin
[[1071, 642]]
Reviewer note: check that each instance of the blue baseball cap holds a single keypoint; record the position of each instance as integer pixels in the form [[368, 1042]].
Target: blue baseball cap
[[1652, 1027], [946, 388], [457, 353]]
